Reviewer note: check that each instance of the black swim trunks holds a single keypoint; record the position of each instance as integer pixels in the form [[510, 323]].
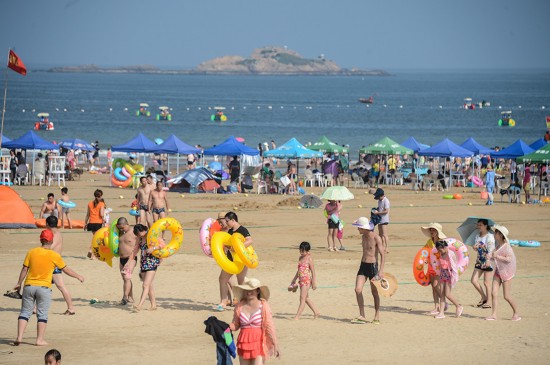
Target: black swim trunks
[[369, 270], [144, 207], [331, 224], [124, 260], [158, 210], [488, 269]]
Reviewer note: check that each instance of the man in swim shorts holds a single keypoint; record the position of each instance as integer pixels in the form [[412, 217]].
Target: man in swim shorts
[[143, 193], [49, 208], [126, 248], [158, 202], [372, 247]]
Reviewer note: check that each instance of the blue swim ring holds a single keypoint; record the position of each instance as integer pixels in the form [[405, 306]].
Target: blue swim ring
[[118, 174], [65, 204]]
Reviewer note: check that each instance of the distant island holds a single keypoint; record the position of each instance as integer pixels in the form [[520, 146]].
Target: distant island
[[263, 61]]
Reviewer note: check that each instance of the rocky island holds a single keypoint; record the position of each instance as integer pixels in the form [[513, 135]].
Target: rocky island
[[263, 61]]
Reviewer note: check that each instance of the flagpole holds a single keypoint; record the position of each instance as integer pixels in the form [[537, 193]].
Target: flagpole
[[4, 106]]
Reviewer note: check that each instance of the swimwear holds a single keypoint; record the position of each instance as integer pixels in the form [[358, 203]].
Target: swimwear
[[331, 224], [304, 273], [158, 210], [144, 207], [65, 210], [249, 343], [383, 224], [124, 260], [369, 270], [148, 261], [93, 227]]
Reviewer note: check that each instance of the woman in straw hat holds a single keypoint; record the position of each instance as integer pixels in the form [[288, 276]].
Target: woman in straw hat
[[504, 262], [257, 339], [435, 233]]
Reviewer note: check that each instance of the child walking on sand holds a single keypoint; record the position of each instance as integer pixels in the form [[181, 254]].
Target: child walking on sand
[[305, 275], [504, 261], [65, 211], [448, 277]]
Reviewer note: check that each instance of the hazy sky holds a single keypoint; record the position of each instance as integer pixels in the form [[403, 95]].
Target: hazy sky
[[386, 34]]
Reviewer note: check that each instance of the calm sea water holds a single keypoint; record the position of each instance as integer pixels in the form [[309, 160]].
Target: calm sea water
[[425, 105]]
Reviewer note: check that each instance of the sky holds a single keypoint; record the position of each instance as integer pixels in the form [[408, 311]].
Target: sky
[[368, 34]]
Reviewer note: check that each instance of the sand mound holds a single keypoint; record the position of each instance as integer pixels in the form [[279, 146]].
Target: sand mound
[[289, 202]]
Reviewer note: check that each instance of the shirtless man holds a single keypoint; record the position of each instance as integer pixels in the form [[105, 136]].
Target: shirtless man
[[126, 244], [158, 203], [49, 208], [372, 247], [143, 199], [57, 246]]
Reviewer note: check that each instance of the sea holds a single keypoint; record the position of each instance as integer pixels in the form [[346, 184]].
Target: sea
[[424, 104]]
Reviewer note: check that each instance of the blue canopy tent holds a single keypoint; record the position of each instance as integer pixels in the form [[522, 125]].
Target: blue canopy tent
[[76, 144], [4, 140], [513, 151], [538, 144], [293, 149], [446, 148], [175, 146], [139, 144], [471, 145], [414, 145], [30, 141], [231, 147]]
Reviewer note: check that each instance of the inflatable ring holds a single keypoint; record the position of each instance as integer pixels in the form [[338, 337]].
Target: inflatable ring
[[139, 168], [134, 212], [65, 204], [528, 243], [130, 169], [113, 238], [247, 254], [118, 162], [6, 183], [461, 252], [125, 172], [122, 184], [448, 197], [220, 239], [421, 261], [100, 246], [476, 180], [205, 235], [118, 174], [155, 235]]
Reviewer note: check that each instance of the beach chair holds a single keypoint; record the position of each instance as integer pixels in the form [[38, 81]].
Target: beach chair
[[309, 178], [57, 169], [357, 181], [5, 172], [22, 175], [327, 180], [262, 185]]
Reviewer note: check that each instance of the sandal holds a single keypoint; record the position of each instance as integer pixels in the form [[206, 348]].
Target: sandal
[[359, 320], [486, 306], [219, 308], [13, 294], [482, 303], [69, 313], [515, 319], [440, 316]]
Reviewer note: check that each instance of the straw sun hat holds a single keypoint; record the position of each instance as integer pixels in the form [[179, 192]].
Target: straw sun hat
[[503, 230], [387, 286], [250, 284], [437, 227]]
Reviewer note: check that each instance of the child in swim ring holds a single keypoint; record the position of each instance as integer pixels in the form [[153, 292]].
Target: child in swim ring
[[448, 277], [305, 275], [65, 211]]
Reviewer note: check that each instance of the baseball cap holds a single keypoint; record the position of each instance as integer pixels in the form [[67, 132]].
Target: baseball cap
[[46, 235]]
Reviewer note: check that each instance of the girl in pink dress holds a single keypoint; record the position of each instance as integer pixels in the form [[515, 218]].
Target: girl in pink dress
[[305, 275], [448, 277], [504, 262]]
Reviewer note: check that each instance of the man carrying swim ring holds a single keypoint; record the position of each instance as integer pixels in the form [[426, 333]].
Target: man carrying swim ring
[[232, 223]]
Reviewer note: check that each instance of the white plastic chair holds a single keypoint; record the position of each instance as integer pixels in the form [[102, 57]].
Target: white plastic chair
[[357, 181], [309, 178], [57, 169], [327, 180], [5, 172], [262, 185]]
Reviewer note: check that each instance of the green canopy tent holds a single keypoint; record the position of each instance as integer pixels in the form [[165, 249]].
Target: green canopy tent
[[326, 145], [540, 156], [386, 146]]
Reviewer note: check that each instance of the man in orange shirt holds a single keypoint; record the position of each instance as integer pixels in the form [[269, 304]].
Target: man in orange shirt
[[37, 272]]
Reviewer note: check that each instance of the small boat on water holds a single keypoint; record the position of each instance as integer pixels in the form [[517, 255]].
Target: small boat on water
[[143, 110], [164, 113], [44, 123], [368, 100], [468, 104], [218, 116], [506, 119]]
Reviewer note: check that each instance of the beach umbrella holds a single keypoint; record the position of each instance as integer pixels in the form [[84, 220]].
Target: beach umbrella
[[337, 193], [468, 229], [326, 145], [76, 144], [310, 201], [386, 146]]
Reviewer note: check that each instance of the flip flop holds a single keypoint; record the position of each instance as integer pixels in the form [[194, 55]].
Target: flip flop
[[440, 316], [481, 303], [359, 321], [375, 321], [486, 306], [69, 313], [516, 319], [13, 294], [490, 319], [219, 308]]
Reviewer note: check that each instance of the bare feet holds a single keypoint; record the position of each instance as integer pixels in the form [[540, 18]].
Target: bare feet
[[516, 318], [137, 308], [41, 343], [69, 312], [296, 318], [16, 342], [316, 315], [491, 318], [435, 311], [153, 308], [440, 316], [459, 311]]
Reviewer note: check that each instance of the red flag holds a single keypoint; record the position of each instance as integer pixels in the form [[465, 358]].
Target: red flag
[[15, 63]]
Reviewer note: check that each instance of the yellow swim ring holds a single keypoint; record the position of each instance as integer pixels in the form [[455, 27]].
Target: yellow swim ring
[[154, 237], [220, 239], [130, 169], [247, 254], [100, 246]]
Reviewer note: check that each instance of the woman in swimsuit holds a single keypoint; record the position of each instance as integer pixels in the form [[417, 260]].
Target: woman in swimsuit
[[257, 339], [305, 275], [149, 265], [484, 244]]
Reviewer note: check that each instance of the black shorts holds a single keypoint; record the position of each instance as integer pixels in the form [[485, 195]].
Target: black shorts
[[124, 260], [331, 224], [93, 227], [369, 270], [383, 224], [488, 269]]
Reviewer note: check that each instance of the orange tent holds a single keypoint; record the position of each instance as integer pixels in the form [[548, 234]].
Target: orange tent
[[15, 213]]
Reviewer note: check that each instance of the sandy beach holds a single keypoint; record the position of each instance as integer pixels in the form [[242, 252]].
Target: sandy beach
[[187, 286]]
